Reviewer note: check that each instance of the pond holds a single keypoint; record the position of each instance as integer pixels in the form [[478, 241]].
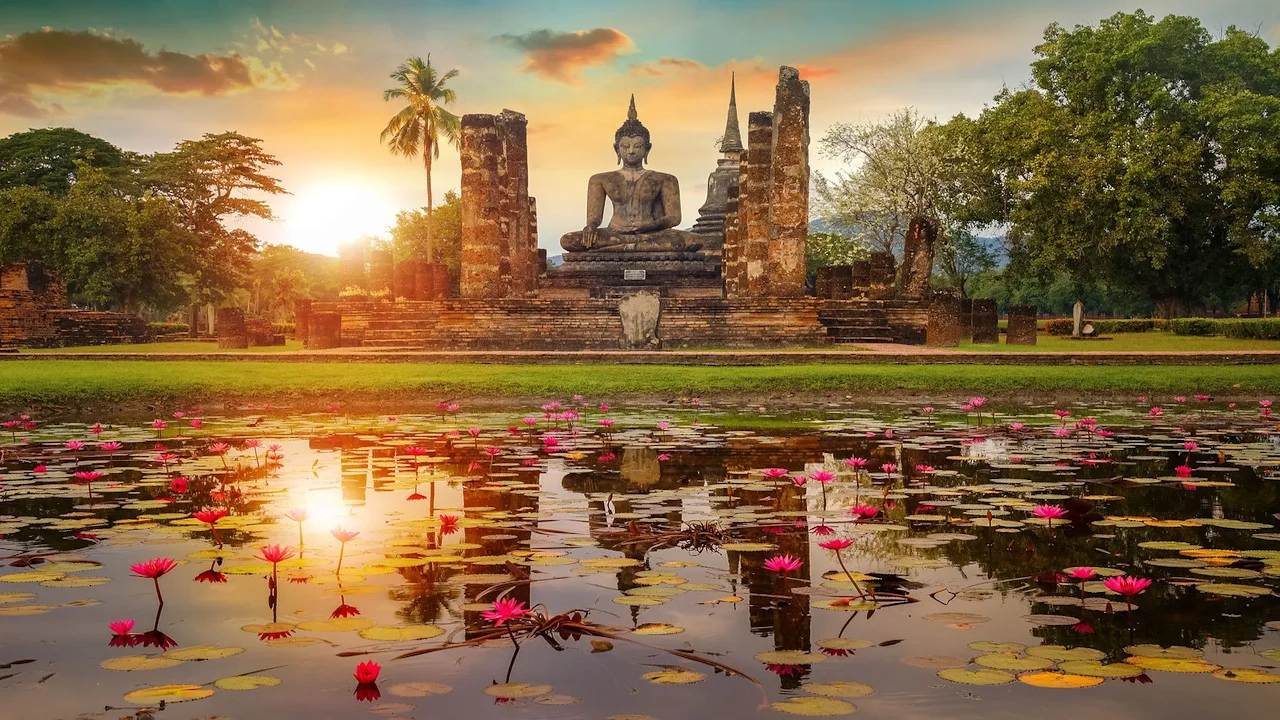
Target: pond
[[584, 561]]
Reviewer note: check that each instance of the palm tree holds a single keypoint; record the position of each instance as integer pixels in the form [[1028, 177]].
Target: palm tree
[[418, 126]]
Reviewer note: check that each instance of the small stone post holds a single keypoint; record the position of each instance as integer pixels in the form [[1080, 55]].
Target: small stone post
[[1022, 325], [753, 204], [301, 319], [325, 331], [986, 323], [789, 185], [231, 329], [823, 283], [481, 190], [943, 328]]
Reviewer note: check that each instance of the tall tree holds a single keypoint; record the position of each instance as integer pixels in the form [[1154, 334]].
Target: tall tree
[[46, 158], [212, 181], [418, 126], [1146, 156]]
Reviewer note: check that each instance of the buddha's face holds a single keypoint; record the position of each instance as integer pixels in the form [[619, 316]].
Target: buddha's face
[[631, 150]]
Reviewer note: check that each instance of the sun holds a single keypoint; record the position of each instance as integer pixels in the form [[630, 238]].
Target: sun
[[322, 216]]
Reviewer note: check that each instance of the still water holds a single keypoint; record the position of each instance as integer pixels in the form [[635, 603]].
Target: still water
[[961, 600]]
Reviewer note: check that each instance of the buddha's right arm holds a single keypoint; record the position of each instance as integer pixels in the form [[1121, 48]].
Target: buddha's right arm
[[595, 202]]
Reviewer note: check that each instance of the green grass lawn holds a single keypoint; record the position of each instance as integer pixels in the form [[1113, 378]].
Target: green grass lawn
[[101, 383], [181, 346], [1130, 342]]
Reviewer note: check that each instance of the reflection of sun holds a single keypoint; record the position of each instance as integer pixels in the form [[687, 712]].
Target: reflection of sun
[[324, 215], [326, 511]]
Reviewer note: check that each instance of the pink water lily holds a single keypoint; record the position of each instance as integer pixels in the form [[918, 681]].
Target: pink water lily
[[1127, 586], [121, 627], [505, 610], [783, 564]]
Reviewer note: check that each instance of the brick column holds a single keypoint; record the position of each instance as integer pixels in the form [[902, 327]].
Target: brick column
[[381, 271], [481, 191], [753, 204], [842, 282], [917, 257], [402, 280], [512, 129], [731, 256], [351, 266], [986, 323], [789, 186], [823, 284], [1022, 325], [537, 256]]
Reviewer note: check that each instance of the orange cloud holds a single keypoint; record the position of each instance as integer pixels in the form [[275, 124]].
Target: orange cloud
[[83, 62], [560, 55], [666, 66]]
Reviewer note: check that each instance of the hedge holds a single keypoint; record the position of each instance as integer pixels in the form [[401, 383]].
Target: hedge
[[167, 328]]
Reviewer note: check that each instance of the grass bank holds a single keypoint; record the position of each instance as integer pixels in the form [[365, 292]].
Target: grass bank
[[1155, 341], [107, 385]]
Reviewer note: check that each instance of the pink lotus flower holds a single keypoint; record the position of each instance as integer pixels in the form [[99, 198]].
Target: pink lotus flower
[[154, 570], [344, 536], [924, 468], [1182, 471], [966, 407], [822, 476], [1083, 573], [220, 448], [782, 564], [492, 451], [274, 553], [1203, 398], [836, 544], [977, 402], [1155, 411], [1180, 399], [604, 407], [663, 457], [799, 480], [111, 446], [856, 462], [664, 425], [96, 429], [1127, 586], [210, 517], [345, 610], [178, 485], [1062, 413], [197, 424], [1062, 432], [928, 409], [121, 627], [449, 519], [367, 672], [1265, 403], [607, 457], [505, 610], [159, 424], [774, 473], [87, 475], [211, 576], [864, 512], [1190, 446], [297, 514], [822, 530], [1016, 426], [40, 469], [1049, 512], [74, 445], [606, 423], [889, 468]]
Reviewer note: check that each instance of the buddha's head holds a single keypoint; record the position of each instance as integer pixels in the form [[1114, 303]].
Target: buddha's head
[[631, 141]]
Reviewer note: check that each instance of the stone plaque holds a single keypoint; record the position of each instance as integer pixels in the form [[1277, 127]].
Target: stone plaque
[[633, 274]]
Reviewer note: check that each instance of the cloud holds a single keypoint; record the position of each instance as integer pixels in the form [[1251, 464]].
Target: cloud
[[60, 61], [560, 55], [665, 66]]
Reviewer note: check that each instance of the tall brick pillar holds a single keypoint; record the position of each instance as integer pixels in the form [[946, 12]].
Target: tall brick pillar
[[753, 204], [514, 203], [539, 256], [789, 186], [481, 200], [732, 257]]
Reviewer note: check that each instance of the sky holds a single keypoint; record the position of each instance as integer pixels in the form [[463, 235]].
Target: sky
[[306, 77]]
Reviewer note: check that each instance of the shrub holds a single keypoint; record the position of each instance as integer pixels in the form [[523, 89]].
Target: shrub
[[1060, 326], [167, 328], [353, 292], [1251, 329], [286, 328], [1199, 327], [1136, 325]]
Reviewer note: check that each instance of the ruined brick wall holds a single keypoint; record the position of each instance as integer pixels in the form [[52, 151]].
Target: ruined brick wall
[[499, 239], [789, 186]]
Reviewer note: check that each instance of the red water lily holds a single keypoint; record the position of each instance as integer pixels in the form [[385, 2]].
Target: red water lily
[[154, 570], [504, 610], [783, 564], [367, 672]]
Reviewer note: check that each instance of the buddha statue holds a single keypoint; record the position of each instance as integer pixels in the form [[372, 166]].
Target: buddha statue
[[646, 203]]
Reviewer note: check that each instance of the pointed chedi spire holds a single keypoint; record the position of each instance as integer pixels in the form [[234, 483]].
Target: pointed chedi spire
[[732, 142], [631, 111]]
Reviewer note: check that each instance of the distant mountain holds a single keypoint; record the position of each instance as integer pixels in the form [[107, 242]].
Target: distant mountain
[[555, 261]]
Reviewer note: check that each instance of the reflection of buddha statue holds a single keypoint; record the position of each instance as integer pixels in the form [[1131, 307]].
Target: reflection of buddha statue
[[646, 203]]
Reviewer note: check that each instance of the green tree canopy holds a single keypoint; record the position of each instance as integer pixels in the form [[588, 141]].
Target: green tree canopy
[[1147, 155], [212, 181], [47, 158], [416, 230]]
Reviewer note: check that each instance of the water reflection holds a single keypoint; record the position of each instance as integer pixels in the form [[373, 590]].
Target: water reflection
[[448, 527]]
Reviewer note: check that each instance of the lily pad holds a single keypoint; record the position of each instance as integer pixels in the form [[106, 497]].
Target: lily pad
[[814, 706], [985, 676]]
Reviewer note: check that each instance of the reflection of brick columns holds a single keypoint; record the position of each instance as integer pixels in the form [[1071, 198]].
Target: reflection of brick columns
[[753, 204], [986, 324], [481, 190], [301, 319], [943, 329], [381, 271], [325, 330], [1022, 325], [789, 186], [231, 328]]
